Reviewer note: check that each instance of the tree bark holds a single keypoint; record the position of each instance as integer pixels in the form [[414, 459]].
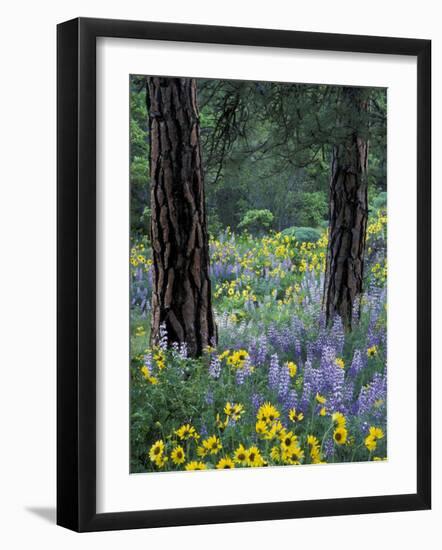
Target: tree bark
[[181, 299], [348, 211]]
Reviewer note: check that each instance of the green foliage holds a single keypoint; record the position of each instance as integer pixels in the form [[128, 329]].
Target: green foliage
[[266, 150], [256, 221], [139, 155], [254, 294], [215, 226], [380, 201], [139, 168], [265, 146], [303, 234], [314, 209]]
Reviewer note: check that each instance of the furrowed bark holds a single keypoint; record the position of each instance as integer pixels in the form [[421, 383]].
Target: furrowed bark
[[348, 212], [181, 299]]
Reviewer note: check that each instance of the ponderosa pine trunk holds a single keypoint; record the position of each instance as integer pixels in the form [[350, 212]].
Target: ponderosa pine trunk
[[348, 211], [181, 299]]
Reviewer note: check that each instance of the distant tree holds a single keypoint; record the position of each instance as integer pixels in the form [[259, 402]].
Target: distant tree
[[181, 298], [348, 209]]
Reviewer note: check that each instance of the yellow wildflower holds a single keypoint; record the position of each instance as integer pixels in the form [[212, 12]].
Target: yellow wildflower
[[261, 427], [187, 432], [287, 439], [156, 450], [267, 413], [377, 433], [292, 455], [225, 463], [292, 368], [146, 373], [221, 424], [212, 444], [340, 435], [254, 458], [294, 416], [177, 455], [275, 453], [234, 410], [339, 419], [340, 362], [240, 455], [195, 465], [320, 399], [370, 443]]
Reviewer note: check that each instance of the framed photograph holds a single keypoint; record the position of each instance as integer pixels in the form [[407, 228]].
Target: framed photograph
[[243, 274]]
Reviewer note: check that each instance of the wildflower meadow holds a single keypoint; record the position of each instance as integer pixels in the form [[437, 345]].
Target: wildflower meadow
[[258, 274], [280, 388]]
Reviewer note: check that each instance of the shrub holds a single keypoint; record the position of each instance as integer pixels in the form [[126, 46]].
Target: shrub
[[303, 234], [256, 221], [380, 202], [313, 209]]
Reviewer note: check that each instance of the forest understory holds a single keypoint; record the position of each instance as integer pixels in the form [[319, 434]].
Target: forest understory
[[295, 372]]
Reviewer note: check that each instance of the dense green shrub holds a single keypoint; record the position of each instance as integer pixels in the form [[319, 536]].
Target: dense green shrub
[[256, 221], [303, 234]]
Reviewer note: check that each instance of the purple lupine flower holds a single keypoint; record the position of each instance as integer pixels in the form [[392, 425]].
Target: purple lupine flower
[[329, 448], [373, 393], [243, 372], [312, 288], [209, 397], [203, 431], [215, 367], [240, 376], [337, 336], [357, 364], [257, 400], [272, 334], [307, 387], [298, 349], [291, 400], [323, 341], [147, 360], [337, 388], [348, 392], [163, 337], [310, 351], [274, 372], [328, 356], [283, 382], [261, 352], [252, 349], [183, 350], [376, 330], [334, 378], [247, 366], [297, 328], [280, 338]]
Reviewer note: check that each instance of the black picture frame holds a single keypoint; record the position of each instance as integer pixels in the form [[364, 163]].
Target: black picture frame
[[76, 274]]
